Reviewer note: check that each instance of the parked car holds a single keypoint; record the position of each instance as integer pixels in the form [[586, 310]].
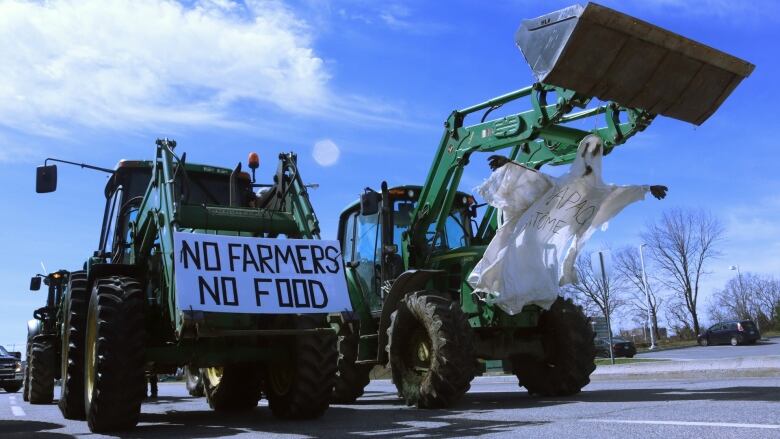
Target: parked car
[[734, 333], [620, 347], [11, 373]]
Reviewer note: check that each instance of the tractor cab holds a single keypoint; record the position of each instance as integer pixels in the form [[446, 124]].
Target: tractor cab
[[372, 232]]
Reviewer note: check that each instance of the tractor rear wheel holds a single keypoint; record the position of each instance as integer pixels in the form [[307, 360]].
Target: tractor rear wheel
[[300, 385], [71, 401], [193, 381], [431, 350], [351, 378], [114, 379], [234, 387], [26, 384], [570, 354], [41, 364]]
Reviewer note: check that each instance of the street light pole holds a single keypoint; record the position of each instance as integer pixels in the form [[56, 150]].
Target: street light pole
[[647, 295], [606, 307], [742, 291]]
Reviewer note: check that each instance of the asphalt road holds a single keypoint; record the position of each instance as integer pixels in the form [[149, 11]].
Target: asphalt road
[[761, 348], [495, 407]]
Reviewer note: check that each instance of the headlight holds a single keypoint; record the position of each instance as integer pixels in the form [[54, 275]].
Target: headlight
[[18, 366]]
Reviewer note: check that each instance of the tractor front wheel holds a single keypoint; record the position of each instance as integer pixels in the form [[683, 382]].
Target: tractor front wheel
[[114, 380], [351, 378], [26, 383], [71, 401], [41, 366], [300, 384], [234, 387], [569, 353], [194, 381], [431, 351]]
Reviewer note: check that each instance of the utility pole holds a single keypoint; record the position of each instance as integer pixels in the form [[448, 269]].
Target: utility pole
[[647, 295], [606, 307]]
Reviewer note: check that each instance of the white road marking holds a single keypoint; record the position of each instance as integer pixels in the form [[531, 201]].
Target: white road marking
[[17, 411], [686, 423]]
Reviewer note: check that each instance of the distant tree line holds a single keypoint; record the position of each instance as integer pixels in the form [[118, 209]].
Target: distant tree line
[[679, 249]]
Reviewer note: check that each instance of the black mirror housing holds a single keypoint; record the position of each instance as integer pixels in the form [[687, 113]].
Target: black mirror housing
[[369, 202], [46, 179], [35, 283]]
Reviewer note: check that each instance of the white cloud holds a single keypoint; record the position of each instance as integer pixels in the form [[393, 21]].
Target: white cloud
[[325, 152], [111, 63]]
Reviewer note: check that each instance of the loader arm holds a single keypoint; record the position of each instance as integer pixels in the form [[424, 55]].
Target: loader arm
[[536, 137]]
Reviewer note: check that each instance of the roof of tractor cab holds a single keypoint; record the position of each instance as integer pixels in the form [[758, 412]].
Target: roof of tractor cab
[[125, 167], [412, 191]]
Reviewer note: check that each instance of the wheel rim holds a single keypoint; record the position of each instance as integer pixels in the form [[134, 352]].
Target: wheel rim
[[91, 354], [214, 375], [419, 353], [734, 341], [281, 378]]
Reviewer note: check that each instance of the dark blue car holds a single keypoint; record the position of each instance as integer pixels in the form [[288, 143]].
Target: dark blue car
[[734, 333]]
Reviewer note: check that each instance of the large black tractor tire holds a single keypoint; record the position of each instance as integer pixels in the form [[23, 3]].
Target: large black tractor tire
[[42, 365], [232, 388], [194, 382], [567, 338], [351, 378], [26, 383], [431, 351], [300, 385], [114, 379], [71, 401]]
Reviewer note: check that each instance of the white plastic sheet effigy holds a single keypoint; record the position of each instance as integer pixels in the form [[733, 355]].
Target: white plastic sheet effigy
[[546, 221]]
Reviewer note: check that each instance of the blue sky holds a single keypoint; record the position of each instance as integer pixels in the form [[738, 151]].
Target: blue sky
[[369, 82]]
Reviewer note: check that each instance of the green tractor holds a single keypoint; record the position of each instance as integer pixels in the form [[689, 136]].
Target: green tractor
[[201, 266], [43, 341], [409, 249]]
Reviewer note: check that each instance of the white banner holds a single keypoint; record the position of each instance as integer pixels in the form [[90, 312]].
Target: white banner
[[234, 274]]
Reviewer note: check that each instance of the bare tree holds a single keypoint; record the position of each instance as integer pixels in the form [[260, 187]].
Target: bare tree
[[678, 318], [595, 295], [747, 297], [681, 244], [629, 267]]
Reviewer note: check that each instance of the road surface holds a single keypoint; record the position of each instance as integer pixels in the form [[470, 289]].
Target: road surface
[[495, 407]]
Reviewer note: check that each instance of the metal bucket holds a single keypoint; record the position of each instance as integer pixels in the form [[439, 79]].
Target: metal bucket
[[597, 51]]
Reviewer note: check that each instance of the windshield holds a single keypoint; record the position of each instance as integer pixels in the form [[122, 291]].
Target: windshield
[[212, 189], [3, 351], [455, 233]]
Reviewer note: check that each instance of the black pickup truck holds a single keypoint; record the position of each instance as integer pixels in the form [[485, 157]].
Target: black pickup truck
[[11, 375]]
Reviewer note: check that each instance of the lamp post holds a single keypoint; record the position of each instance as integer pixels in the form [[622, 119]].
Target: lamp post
[[742, 290], [606, 307], [647, 295]]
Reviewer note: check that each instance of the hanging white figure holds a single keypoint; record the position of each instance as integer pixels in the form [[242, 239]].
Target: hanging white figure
[[546, 221]]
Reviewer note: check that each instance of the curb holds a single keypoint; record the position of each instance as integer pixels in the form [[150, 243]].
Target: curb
[[766, 366]]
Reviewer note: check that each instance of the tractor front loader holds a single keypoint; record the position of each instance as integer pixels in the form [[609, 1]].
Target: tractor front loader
[[190, 271], [43, 339], [409, 249]]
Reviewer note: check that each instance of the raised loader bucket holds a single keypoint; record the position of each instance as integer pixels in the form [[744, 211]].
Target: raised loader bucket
[[597, 51]]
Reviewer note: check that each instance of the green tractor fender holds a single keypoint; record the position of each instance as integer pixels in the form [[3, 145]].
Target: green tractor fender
[[34, 327], [97, 271], [408, 282]]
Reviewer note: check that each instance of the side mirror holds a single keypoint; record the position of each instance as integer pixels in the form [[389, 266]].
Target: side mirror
[[369, 202], [35, 283], [46, 179]]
